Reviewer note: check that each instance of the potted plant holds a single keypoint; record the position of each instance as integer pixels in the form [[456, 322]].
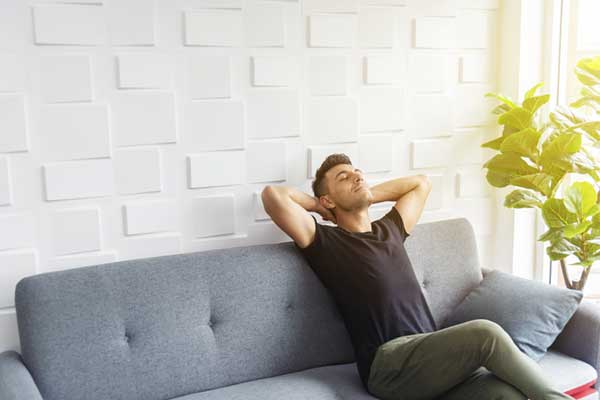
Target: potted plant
[[537, 153]]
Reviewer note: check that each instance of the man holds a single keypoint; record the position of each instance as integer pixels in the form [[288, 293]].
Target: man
[[399, 352]]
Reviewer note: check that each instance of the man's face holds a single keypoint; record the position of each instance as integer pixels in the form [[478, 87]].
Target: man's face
[[347, 187]]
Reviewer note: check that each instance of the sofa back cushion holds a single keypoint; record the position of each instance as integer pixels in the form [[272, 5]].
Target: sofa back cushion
[[162, 327]]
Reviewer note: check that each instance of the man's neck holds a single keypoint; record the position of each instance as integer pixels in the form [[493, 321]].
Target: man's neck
[[356, 221]]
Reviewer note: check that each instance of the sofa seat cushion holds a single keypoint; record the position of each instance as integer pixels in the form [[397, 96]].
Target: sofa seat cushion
[[337, 382]]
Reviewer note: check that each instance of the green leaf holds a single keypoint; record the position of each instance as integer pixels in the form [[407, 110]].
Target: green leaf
[[517, 118], [541, 182], [559, 146], [499, 178], [531, 92], [588, 71], [561, 249], [551, 235], [494, 144], [521, 198], [502, 98], [595, 209], [532, 104], [500, 109], [579, 198], [510, 162], [556, 214], [523, 143], [576, 228]]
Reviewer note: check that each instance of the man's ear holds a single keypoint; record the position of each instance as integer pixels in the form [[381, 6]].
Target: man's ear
[[325, 202]]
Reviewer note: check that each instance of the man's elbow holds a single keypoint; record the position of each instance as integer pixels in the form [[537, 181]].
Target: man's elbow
[[426, 182]]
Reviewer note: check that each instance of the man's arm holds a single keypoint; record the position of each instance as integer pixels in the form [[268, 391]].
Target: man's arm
[[410, 194], [288, 207]]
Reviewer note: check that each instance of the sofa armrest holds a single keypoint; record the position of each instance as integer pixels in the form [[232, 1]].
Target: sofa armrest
[[580, 338], [16, 382]]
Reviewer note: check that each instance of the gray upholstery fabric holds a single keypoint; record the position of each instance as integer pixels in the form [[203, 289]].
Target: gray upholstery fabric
[[532, 313], [15, 380], [164, 327], [341, 382]]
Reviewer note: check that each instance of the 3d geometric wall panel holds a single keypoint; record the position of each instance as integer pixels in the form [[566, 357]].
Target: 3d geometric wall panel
[[144, 117], [131, 22], [273, 113], [22, 263], [221, 168], [221, 28], [264, 25], [376, 28], [75, 230], [427, 72], [328, 75], [138, 170], [266, 161], [78, 179], [384, 69], [332, 119], [213, 125], [214, 215], [71, 132], [12, 74], [13, 124], [17, 231], [151, 216], [435, 32], [273, 71], [144, 71], [332, 30], [69, 24], [381, 109], [209, 77], [65, 78], [6, 196]]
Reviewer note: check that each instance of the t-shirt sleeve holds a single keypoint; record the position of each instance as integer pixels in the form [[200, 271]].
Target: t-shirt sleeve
[[396, 218], [314, 247]]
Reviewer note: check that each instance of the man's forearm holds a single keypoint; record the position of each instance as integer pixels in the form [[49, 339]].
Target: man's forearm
[[394, 189], [306, 201]]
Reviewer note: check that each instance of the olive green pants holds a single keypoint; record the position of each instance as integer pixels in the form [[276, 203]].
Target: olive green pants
[[473, 360]]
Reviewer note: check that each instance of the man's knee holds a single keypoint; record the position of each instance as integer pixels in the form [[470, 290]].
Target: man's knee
[[486, 328]]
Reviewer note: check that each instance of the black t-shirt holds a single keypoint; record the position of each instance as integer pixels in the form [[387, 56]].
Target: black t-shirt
[[373, 283]]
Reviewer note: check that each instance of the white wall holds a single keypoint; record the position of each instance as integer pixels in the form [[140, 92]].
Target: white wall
[[137, 128]]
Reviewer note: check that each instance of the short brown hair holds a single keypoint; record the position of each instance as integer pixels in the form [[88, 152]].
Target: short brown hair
[[318, 185]]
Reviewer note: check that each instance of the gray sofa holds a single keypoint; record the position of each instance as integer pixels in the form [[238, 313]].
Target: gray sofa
[[249, 322]]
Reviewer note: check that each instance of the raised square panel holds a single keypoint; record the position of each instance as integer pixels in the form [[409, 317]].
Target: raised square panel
[[223, 4], [333, 30], [427, 72], [467, 147], [70, 132], [435, 32], [17, 265], [143, 118], [328, 75], [329, 6], [76, 230], [475, 68], [381, 109], [12, 73], [318, 154], [473, 30], [6, 197], [471, 184], [213, 28], [70, 24], [17, 231], [78, 179], [432, 115], [376, 28], [480, 4], [209, 77], [144, 71], [475, 109], [131, 22], [259, 208], [219, 168], [264, 25], [389, 3], [214, 125], [384, 69], [138, 170], [435, 200], [480, 211], [332, 119], [375, 153], [65, 78], [431, 153], [150, 216], [12, 123], [273, 113], [213, 215], [266, 161], [272, 71], [79, 260], [161, 244]]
